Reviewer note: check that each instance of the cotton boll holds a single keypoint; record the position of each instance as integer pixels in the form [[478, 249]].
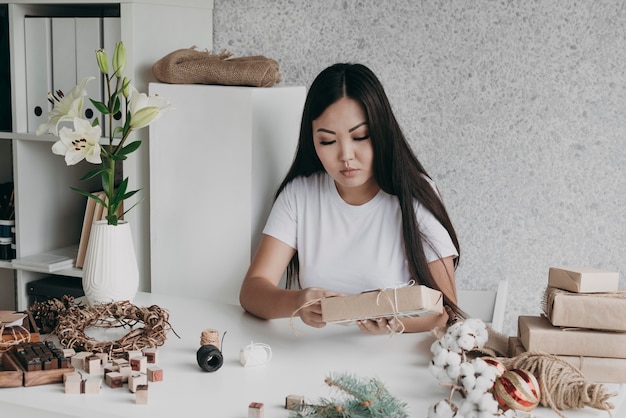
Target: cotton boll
[[440, 373], [442, 409], [467, 342], [478, 329], [468, 376], [485, 374], [437, 346], [441, 358], [449, 341], [454, 365], [469, 409], [488, 404]]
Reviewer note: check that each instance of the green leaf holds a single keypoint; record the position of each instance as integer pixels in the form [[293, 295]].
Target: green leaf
[[112, 219], [102, 108], [116, 103], [117, 130], [89, 195], [93, 173], [132, 147]]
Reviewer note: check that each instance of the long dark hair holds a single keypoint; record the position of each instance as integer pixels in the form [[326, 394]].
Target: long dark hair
[[396, 168]]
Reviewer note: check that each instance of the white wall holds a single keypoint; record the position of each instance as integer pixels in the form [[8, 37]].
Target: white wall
[[517, 110]]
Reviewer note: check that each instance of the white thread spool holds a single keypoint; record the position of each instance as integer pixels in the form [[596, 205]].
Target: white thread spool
[[255, 354]]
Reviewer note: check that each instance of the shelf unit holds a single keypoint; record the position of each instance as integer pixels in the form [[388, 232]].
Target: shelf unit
[[48, 214]]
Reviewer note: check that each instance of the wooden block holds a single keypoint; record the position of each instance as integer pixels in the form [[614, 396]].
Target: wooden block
[[120, 361], [125, 370], [68, 352], [139, 364], [114, 380], [151, 354], [110, 367], [141, 394], [255, 410], [92, 385], [79, 360], [104, 358], [93, 365], [72, 376], [155, 374], [135, 380], [133, 353], [293, 402], [73, 386]]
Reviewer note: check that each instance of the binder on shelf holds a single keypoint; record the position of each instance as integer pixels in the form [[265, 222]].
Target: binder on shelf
[[63, 54], [48, 262], [37, 34], [87, 43]]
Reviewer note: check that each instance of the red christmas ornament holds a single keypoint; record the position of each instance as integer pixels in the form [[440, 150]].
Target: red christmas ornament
[[517, 389]]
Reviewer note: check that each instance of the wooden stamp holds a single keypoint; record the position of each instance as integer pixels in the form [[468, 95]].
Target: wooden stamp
[[139, 364], [92, 385], [125, 370], [141, 394], [73, 386], [135, 380], [93, 365], [155, 374], [114, 380], [151, 354], [255, 410], [133, 353], [293, 402]]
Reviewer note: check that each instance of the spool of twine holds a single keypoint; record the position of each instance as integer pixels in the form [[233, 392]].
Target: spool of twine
[[209, 356], [210, 336], [563, 386]]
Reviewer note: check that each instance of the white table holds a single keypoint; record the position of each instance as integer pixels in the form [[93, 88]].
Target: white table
[[298, 366]]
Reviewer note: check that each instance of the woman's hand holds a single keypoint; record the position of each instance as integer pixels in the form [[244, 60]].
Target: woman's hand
[[310, 306], [379, 325]]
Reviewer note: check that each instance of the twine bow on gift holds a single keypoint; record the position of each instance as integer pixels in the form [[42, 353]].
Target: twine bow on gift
[[398, 329]]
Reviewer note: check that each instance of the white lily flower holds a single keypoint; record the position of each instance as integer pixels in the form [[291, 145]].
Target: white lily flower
[[81, 143], [65, 108], [145, 109]]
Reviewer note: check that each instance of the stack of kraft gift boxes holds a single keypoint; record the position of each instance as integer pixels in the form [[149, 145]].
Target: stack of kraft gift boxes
[[584, 323]]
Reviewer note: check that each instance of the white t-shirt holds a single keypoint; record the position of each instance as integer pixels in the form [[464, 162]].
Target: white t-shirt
[[346, 248]]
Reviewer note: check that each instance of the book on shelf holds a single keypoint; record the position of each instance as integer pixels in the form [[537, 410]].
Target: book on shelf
[[49, 261], [93, 212]]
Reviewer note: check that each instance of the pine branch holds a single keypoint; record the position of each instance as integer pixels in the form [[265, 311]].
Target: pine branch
[[357, 398]]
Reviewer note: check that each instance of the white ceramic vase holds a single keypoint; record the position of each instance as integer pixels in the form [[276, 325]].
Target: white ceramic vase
[[110, 272]]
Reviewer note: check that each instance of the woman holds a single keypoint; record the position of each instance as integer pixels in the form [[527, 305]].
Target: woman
[[356, 211]]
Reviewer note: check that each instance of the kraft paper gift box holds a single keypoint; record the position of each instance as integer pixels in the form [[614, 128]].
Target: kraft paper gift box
[[583, 279], [537, 334], [595, 369], [400, 302], [603, 311]]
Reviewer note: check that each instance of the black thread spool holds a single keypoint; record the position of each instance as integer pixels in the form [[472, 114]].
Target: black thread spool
[[209, 356]]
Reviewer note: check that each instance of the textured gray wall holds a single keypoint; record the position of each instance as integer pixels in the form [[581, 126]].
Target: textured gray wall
[[516, 108]]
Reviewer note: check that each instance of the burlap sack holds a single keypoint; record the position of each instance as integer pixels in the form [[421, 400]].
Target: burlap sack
[[190, 66]]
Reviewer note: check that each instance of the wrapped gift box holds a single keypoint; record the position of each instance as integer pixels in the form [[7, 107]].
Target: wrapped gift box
[[604, 311], [595, 369], [537, 334], [401, 302], [583, 279]]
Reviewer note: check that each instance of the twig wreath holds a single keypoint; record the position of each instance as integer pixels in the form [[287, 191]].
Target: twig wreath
[[75, 320]]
